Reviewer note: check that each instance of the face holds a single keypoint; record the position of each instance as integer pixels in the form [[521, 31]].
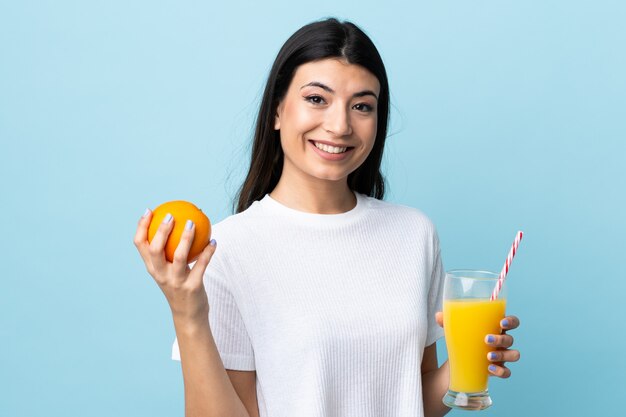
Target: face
[[328, 120]]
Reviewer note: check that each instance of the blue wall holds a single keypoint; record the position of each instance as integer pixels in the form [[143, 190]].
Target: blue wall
[[506, 115]]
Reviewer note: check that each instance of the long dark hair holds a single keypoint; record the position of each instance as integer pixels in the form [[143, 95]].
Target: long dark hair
[[328, 38]]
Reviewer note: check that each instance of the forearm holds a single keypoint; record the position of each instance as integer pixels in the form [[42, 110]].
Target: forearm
[[208, 390], [434, 387]]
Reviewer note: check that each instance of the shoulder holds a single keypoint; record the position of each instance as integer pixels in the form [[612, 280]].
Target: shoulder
[[238, 224], [406, 229], [400, 214], [235, 234]]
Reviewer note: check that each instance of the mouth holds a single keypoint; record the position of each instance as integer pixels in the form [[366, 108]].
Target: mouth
[[331, 149]]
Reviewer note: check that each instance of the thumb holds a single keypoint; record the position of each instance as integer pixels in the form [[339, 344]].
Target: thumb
[[439, 318], [200, 265]]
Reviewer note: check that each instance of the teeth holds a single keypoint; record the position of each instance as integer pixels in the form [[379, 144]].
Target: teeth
[[329, 149]]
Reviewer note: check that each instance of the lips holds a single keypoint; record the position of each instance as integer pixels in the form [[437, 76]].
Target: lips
[[330, 148], [330, 151]]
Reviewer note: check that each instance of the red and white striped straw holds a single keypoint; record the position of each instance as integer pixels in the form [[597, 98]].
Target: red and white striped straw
[[507, 264]]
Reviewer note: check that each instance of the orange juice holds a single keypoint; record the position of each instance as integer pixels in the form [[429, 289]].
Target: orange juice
[[466, 323]]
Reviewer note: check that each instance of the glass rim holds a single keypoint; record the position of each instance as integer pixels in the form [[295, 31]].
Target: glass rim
[[469, 274]]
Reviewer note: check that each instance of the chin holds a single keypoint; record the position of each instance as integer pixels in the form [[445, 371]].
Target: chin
[[332, 176]]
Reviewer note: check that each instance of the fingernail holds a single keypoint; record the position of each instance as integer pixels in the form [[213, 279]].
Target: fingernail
[[491, 339], [504, 323], [145, 213], [493, 356], [492, 368], [168, 218], [188, 225], [212, 242]]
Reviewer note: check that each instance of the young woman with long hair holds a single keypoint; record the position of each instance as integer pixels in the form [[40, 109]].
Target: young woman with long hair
[[321, 298]]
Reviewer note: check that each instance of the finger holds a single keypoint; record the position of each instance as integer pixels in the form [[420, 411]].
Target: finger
[[157, 254], [197, 271], [141, 239], [504, 356], [141, 234], [509, 323], [181, 254], [499, 371], [439, 318], [499, 340]]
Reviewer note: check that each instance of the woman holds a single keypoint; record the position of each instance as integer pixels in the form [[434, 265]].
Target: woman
[[322, 299]]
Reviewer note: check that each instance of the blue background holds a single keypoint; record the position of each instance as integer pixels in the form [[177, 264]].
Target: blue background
[[506, 115]]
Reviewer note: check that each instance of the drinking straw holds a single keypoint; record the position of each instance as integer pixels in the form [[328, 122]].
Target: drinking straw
[[507, 264]]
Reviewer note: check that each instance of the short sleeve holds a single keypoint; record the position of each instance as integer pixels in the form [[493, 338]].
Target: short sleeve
[[435, 295], [226, 322]]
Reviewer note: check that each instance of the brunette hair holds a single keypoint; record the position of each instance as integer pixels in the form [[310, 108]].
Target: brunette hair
[[328, 38]]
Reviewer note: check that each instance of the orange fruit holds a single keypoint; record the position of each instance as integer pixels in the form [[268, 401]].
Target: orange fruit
[[181, 211]]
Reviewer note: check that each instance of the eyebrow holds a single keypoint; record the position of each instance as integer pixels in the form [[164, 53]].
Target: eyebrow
[[330, 90]]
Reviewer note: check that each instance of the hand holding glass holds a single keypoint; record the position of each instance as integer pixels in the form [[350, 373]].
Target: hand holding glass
[[469, 316]]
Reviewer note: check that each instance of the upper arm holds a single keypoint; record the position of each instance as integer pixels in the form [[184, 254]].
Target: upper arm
[[429, 359], [244, 383]]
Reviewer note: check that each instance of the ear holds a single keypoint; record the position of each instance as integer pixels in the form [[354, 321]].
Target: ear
[[277, 118]]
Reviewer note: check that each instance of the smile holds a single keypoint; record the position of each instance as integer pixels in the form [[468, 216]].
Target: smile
[[329, 149]]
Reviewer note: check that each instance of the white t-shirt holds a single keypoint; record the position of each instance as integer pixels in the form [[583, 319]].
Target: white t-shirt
[[333, 311]]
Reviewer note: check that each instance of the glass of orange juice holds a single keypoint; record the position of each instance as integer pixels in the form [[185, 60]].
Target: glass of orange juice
[[468, 317]]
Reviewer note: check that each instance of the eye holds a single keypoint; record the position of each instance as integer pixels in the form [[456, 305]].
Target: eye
[[315, 99], [364, 107]]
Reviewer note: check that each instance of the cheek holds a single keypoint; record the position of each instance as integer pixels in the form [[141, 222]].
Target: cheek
[[299, 118], [296, 123], [368, 132]]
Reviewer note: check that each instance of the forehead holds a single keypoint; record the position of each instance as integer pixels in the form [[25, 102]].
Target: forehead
[[336, 73]]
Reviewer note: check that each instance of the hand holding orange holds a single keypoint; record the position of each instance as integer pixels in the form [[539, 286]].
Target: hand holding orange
[[182, 211]]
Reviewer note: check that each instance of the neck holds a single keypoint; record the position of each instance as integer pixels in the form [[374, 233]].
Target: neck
[[323, 197]]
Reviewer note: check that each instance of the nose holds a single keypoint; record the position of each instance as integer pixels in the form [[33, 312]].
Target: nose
[[337, 122]]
